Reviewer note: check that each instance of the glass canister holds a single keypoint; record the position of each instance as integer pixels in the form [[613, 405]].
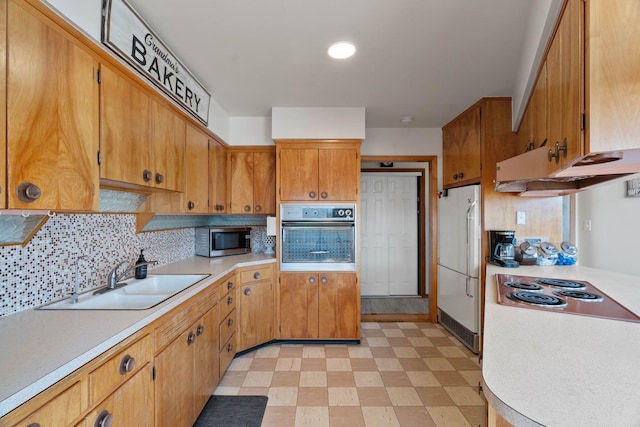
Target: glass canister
[[568, 254], [547, 254]]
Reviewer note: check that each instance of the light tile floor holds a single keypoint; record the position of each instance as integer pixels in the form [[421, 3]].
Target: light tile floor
[[402, 374]]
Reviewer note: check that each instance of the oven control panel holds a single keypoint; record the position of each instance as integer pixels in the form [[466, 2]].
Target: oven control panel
[[317, 212]]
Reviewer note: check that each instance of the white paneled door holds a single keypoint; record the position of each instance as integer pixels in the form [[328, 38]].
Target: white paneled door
[[389, 233]]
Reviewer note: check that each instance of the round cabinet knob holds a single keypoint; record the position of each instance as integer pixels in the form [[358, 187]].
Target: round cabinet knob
[[159, 178], [191, 205], [455, 176], [324, 280], [229, 322], [147, 175], [229, 300], [199, 330], [104, 419], [127, 364], [191, 338], [324, 194], [258, 208], [461, 175], [229, 285], [247, 208], [256, 275], [312, 280], [28, 192], [247, 291], [312, 194]]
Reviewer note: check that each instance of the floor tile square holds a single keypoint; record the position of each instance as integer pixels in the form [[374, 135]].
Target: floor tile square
[[452, 351], [340, 379], [472, 377], [404, 396], [414, 416], [368, 379], [279, 416], [399, 341], [240, 364], [343, 396], [420, 341], [258, 379], [270, 351], [233, 378], [380, 416], [465, 364], [383, 352], [395, 379], [312, 396], [346, 416], [465, 396], [359, 352], [475, 415], [253, 391], [313, 364], [340, 352], [339, 364], [423, 379], [434, 396], [313, 352], [450, 378], [364, 365], [447, 416], [283, 396], [388, 364], [312, 416], [393, 333], [288, 364], [313, 379], [413, 365], [285, 379], [377, 342], [373, 396], [405, 352], [264, 364], [439, 364]]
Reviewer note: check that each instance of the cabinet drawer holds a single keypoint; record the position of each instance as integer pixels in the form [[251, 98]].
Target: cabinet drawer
[[61, 410], [227, 304], [227, 328], [255, 274], [119, 369], [227, 353]]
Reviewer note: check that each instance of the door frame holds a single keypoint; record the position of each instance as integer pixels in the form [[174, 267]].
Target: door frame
[[428, 234]]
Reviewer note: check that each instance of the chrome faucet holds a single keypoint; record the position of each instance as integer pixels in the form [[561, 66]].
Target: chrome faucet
[[74, 295], [114, 277]]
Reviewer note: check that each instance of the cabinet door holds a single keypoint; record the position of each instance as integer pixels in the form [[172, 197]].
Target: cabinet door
[[298, 174], [124, 139], [339, 306], [256, 314], [338, 174], [217, 177], [52, 118], [130, 405], [241, 182], [461, 150], [206, 358], [197, 171], [298, 305], [264, 183], [174, 387], [168, 136], [564, 86]]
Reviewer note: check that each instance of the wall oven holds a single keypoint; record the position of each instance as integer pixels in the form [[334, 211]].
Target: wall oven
[[318, 237]]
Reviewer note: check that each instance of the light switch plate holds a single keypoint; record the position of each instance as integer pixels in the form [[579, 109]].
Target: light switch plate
[[521, 217]]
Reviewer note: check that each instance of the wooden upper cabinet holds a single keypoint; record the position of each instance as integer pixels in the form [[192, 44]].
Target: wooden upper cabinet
[[217, 177], [52, 117], [197, 171], [168, 136], [319, 171], [461, 164], [251, 181]]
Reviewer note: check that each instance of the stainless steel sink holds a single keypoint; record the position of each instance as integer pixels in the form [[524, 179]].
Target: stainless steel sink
[[134, 295]]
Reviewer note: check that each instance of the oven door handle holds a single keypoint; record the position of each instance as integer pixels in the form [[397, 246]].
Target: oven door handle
[[318, 252], [323, 224]]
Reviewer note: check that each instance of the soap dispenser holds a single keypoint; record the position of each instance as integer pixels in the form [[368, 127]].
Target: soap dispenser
[[141, 266]]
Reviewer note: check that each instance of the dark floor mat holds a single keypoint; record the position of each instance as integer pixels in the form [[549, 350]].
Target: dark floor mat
[[232, 411]]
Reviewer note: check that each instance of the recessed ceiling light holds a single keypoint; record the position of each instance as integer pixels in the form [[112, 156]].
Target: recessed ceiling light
[[341, 50]]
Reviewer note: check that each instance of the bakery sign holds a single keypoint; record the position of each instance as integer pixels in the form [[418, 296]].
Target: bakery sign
[[126, 33]]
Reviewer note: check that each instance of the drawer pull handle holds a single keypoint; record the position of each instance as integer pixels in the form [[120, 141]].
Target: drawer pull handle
[[191, 205], [247, 291], [127, 364], [28, 192], [229, 300], [191, 338], [256, 275], [229, 285], [104, 419], [229, 322], [200, 330]]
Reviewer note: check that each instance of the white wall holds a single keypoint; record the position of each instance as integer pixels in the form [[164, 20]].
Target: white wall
[[86, 15], [250, 131], [318, 123], [612, 243]]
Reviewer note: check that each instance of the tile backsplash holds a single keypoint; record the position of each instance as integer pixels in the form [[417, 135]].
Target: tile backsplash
[[44, 270]]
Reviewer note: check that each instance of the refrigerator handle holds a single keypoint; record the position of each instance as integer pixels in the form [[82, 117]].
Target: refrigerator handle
[[469, 225], [466, 285]]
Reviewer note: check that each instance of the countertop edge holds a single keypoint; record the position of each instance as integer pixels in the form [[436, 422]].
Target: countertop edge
[[21, 396]]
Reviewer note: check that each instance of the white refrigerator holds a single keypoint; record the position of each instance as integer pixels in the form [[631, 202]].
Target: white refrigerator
[[459, 263]]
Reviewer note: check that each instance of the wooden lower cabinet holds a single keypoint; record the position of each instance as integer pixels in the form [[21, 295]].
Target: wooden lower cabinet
[[256, 306], [186, 373], [319, 305], [130, 405], [228, 322], [61, 410]]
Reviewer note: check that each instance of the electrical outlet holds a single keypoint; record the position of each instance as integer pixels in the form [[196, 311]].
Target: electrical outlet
[[521, 217]]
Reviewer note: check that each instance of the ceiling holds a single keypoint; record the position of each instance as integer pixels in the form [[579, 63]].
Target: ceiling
[[429, 59]]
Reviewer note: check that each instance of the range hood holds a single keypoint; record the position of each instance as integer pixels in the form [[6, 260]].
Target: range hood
[[528, 174]]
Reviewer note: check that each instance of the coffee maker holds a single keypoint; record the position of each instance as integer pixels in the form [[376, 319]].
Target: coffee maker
[[502, 248]]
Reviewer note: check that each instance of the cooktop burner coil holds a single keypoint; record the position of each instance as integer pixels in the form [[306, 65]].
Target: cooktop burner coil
[[523, 286], [579, 295], [561, 283], [536, 298]]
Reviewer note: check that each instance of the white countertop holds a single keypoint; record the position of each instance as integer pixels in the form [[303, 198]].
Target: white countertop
[[40, 347], [556, 369]]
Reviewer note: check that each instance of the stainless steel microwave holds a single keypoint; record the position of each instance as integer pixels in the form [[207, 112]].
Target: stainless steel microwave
[[215, 242]]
